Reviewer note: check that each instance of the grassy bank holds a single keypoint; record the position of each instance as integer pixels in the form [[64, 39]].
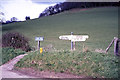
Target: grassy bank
[[101, 24], [89, 63], [9, 53]]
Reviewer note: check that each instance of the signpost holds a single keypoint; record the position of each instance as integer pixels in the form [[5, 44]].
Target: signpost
[[74, 38], [39, 39]]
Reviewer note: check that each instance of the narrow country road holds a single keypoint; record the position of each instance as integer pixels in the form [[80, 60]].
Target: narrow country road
[[6, 69]]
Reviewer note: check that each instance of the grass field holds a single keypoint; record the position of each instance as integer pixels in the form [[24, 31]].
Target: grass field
[[101, 24]]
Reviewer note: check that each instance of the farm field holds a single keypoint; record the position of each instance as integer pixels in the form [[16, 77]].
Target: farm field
[[101, 24]]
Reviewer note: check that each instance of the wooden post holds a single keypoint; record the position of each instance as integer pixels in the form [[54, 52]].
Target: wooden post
[[71, 42], [74, 45], [83, 47], [115, 45], [71, 45], [109, 46], [38, 45], [119, 47]]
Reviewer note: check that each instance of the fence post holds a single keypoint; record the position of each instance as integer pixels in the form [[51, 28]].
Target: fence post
[[115, 46], [118, 47]]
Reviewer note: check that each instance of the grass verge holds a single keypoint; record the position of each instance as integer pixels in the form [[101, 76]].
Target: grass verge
[[10, 53], [88, 63]]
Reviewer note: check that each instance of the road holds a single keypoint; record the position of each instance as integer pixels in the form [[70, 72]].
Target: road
[[6, 69]]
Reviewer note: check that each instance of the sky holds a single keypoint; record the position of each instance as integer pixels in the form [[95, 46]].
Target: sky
[[22, 8]]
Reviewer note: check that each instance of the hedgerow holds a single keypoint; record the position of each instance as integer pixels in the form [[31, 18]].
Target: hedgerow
[[15, 40]]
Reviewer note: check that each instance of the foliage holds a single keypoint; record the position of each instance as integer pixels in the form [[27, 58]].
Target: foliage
[[15, 40], [70, 5], [89, 63], [14, 19], [10, 53], [27, 17]]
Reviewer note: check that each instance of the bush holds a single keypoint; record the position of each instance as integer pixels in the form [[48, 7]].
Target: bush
[[10, 53], [15, 40]]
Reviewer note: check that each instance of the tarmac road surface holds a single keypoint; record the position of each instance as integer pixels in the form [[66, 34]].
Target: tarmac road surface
[[6, 69]]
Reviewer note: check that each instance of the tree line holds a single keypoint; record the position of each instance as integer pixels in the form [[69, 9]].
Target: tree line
[[12, 20], [70, 5]]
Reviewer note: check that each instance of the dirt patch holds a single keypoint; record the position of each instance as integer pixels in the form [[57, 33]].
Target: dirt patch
[[45, 74], [100, 51]]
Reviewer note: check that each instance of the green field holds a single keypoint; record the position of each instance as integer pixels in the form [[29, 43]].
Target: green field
[[101, 24]]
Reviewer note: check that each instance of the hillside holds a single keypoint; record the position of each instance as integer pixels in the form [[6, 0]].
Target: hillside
[[101, 24]]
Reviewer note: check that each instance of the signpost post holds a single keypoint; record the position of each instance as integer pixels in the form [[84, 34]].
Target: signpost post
[[39, 39], [71, 42], [74, 38]]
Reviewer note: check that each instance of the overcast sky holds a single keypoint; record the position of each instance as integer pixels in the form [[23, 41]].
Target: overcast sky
[[22, 8]]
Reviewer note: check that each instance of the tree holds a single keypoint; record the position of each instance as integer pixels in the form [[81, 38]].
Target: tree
[[27, 17], [14, 19], [2, 19]]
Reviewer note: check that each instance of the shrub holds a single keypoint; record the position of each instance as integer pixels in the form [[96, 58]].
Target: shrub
[[10, 53], [15, 40]]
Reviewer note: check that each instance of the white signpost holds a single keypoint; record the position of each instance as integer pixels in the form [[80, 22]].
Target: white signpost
[[39, 39], [74, 38]]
